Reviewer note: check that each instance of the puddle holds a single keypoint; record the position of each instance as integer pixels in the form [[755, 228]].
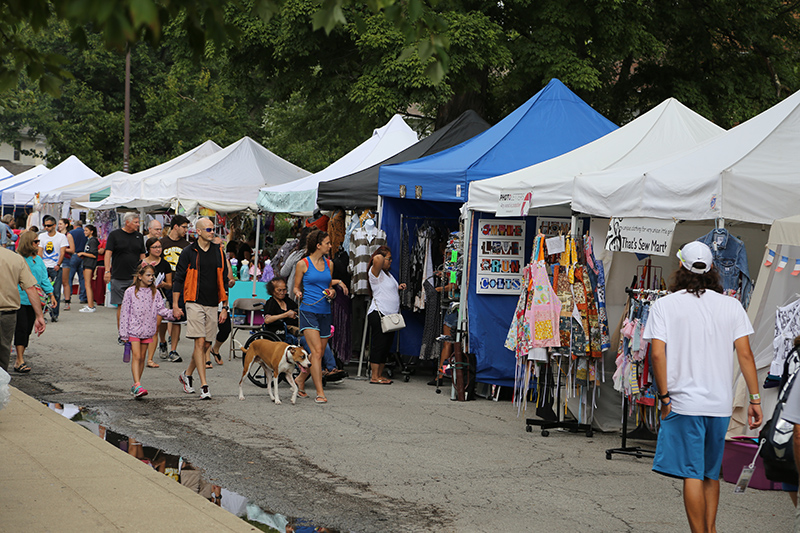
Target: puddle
[[182, 471]]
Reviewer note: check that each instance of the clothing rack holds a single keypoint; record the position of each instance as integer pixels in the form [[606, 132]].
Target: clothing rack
[[573, 425], [640, 432]]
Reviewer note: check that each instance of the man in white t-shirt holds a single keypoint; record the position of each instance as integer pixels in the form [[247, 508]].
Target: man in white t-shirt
[[693, 333], [52, 247]]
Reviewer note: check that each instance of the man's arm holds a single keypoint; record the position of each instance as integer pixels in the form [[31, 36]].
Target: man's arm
[[62, 251], [748, 365], [658, 356], [107, 264]]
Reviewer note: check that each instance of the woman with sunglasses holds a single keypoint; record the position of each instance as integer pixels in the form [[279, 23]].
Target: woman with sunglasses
[[29, 249]]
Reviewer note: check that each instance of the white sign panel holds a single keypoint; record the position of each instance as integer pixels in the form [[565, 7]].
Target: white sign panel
[[501, 256], [514, 204], [640, 235]]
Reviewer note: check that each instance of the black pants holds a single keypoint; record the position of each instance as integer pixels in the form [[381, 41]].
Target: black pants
[[380, 343], [25, 320]]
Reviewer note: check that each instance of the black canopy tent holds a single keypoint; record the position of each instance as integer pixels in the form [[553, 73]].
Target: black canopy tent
[[360, 189]]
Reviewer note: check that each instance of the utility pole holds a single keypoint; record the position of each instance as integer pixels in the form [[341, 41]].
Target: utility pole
[[126, 150]]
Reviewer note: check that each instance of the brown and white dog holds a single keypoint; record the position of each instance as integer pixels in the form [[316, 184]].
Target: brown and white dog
[[275, 358]]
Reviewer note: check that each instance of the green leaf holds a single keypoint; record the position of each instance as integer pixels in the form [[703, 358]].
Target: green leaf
[[143, 12], [50, 85]]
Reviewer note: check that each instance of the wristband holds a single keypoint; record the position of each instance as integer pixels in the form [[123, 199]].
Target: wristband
[[664, 404], [663, 396], [755, 396], [755, 403]]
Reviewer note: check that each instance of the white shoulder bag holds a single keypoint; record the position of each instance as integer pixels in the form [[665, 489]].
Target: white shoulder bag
[[391, 322]]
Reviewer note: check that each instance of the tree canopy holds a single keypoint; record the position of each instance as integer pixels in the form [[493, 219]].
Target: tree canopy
[[221, 69]]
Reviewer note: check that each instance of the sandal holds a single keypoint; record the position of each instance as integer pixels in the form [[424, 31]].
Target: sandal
[[217, 357], [209, 365], [22, 369], [382, 381], [302, 393], [152, 364], [320, 399], [66, 305]]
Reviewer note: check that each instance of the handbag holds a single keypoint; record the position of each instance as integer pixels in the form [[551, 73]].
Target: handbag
[[777, 437], [390, 323], [44, 299]]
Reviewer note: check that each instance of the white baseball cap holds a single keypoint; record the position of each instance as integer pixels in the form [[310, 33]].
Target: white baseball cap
[[696, 257]]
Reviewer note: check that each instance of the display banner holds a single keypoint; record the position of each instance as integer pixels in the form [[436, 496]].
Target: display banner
[[501, 256], [514, 204], [640, 235]]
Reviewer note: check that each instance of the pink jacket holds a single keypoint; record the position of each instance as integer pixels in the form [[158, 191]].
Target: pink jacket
[[138, 316]]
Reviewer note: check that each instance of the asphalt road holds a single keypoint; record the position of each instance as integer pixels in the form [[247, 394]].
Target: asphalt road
[[375, 458]]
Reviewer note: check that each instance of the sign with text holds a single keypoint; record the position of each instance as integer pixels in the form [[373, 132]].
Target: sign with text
[[640, 235], [514, 204], [501, 256]]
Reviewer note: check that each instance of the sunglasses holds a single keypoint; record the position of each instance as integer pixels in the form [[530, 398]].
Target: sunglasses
[[209, 230], [36, 241], [49, 225]]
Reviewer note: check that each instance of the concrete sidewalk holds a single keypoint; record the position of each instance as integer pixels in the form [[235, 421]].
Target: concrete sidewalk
[[57, 476]]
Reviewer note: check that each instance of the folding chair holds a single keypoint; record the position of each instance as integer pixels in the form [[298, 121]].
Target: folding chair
[[247, 314]]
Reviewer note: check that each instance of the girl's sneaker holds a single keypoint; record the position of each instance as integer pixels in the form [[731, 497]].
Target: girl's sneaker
[[87, 309], [138, 391]]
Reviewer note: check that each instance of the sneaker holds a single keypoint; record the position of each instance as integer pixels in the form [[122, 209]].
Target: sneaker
[[186, 381], [162, 349], [204, 394], [120, 341], [173, 357], [87, 309], [138, 391], [54, 318]]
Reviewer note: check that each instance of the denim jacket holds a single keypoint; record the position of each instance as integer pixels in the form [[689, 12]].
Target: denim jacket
[[730, 260]]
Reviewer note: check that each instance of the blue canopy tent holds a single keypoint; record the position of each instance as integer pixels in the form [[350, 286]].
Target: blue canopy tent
[[554, 121]]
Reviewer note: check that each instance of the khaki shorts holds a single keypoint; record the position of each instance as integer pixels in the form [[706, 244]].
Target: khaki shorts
[[201, 321]]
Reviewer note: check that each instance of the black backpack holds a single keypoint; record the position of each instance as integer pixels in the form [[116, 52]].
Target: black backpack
[[777, 450]]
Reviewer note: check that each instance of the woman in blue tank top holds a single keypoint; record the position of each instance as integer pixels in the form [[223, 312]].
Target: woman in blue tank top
[[313, 283]]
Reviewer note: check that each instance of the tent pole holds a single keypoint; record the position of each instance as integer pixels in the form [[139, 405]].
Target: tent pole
[[255, 251], [466, 254]]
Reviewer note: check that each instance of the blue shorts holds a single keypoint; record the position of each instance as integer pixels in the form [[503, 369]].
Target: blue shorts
[[691, 446], [451, 319], [318, 321]]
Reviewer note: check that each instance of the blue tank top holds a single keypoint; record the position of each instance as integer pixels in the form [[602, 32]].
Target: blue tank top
[[314, 282]]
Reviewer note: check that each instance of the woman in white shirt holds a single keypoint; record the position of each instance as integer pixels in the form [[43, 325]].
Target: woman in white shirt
[[385, 301]]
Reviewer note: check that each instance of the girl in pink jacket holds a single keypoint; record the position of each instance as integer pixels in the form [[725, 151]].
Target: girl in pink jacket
[[141, 306]]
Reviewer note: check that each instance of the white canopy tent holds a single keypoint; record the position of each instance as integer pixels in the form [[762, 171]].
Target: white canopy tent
[[23, 177], [82, 189], [773, 289], [749, 174], [226, 181], [666, 129], [300, 196], [69, 171], [128, 190], [5, 174]]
